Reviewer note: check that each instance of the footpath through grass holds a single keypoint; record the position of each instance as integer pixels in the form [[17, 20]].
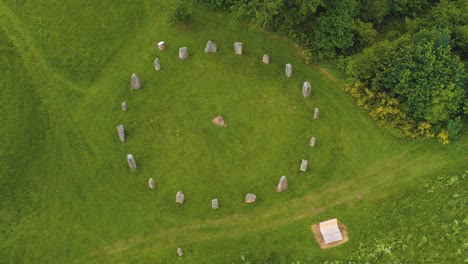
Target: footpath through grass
[[69, 196]]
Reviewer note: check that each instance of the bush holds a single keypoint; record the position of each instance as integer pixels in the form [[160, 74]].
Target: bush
[[180, 12], [454, 126]]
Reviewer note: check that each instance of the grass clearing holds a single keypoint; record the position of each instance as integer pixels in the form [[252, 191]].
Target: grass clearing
[[69, 196]]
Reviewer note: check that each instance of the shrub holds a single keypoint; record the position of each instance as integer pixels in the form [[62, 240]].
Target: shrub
[[180, 12]]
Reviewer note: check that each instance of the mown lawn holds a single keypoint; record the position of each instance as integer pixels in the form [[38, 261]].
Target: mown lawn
[[67, 194]]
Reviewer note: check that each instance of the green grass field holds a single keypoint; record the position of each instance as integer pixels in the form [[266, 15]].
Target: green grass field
[[68, 196]]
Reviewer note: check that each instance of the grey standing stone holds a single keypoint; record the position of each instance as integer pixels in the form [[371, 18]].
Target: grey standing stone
[[316, 113], [266, 59], [151, 183], [238, 48], [157, 64], [180, 253], [282, 185], [121, 132], [135, 82], [180, 197], [183, 53], [288, 70], [250, 198], [124, 106], [306, 89], [214, 204], [312, 142], [303, 165], [210, 47], [131, 162]]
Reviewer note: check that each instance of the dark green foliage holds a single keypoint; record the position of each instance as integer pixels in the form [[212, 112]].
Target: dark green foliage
[[365, 34], [454, 127], [407, 7], [451, 16], [377, 11], [224, 5], [362, 67], [426, 77], [460, 34], [258, 12], [374, 10], [180, 12], [334, 32]]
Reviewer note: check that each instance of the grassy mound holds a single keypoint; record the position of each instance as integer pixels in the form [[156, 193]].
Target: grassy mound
[[68, 194]]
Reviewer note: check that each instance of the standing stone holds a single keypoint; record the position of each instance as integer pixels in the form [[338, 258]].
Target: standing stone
[[135, 82], [161, 45], [303, 165], [214, 203], [131, 162], [282, 185], [312, 142], [124, 106], [180, 253], [210, 47], [306, 89], [121, 132], [183, 53], [288, 70], [250, 198], [151, 183], [157, 64], [316, 113], [266, 59], [179, 198], [238, 48], [219, 121]]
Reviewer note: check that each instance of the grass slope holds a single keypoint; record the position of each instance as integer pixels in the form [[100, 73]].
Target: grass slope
[[67, 192]]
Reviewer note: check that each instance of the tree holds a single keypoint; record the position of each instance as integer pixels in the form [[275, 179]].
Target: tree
[[374, 10], [335, 30], [426, 77]]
